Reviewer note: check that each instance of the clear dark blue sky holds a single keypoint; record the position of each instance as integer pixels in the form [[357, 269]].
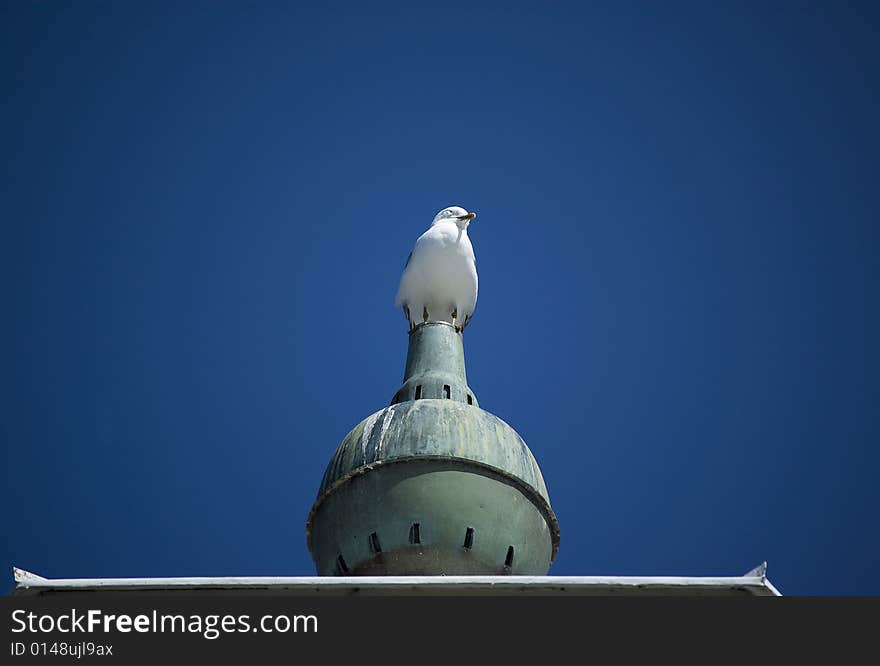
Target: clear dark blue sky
[[206, 208]]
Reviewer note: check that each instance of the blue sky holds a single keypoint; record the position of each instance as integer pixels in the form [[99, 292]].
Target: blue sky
[[206, 208]]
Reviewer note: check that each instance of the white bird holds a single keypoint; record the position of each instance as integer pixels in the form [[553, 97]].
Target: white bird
[[439, 281]]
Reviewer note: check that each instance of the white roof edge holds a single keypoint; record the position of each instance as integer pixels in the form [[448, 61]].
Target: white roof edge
[[756, 585], [22, 577]]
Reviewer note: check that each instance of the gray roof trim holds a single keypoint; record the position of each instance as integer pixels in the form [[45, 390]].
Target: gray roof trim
[[754, 583]]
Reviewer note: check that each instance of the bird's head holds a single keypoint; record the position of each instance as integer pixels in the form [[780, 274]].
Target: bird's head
[[455, 214]]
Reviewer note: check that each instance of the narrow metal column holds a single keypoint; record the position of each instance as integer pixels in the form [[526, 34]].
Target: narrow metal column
[[435, 365]]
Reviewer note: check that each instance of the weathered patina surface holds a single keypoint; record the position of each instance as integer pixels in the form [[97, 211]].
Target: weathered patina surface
[[436, 463]]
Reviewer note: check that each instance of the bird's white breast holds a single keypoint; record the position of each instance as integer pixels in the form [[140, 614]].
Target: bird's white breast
[[441, 273]]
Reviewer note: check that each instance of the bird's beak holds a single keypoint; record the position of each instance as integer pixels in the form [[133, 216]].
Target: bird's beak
[[469, 216]]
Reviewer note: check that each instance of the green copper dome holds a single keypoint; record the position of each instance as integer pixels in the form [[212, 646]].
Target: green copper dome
[[433, 484], [437, 428]]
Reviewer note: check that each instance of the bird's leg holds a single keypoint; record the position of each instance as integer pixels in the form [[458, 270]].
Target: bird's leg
[[408, 317], [455, 320], [424, 313]]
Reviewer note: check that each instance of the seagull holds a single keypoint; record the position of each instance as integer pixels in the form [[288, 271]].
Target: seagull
[[439, 281]]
